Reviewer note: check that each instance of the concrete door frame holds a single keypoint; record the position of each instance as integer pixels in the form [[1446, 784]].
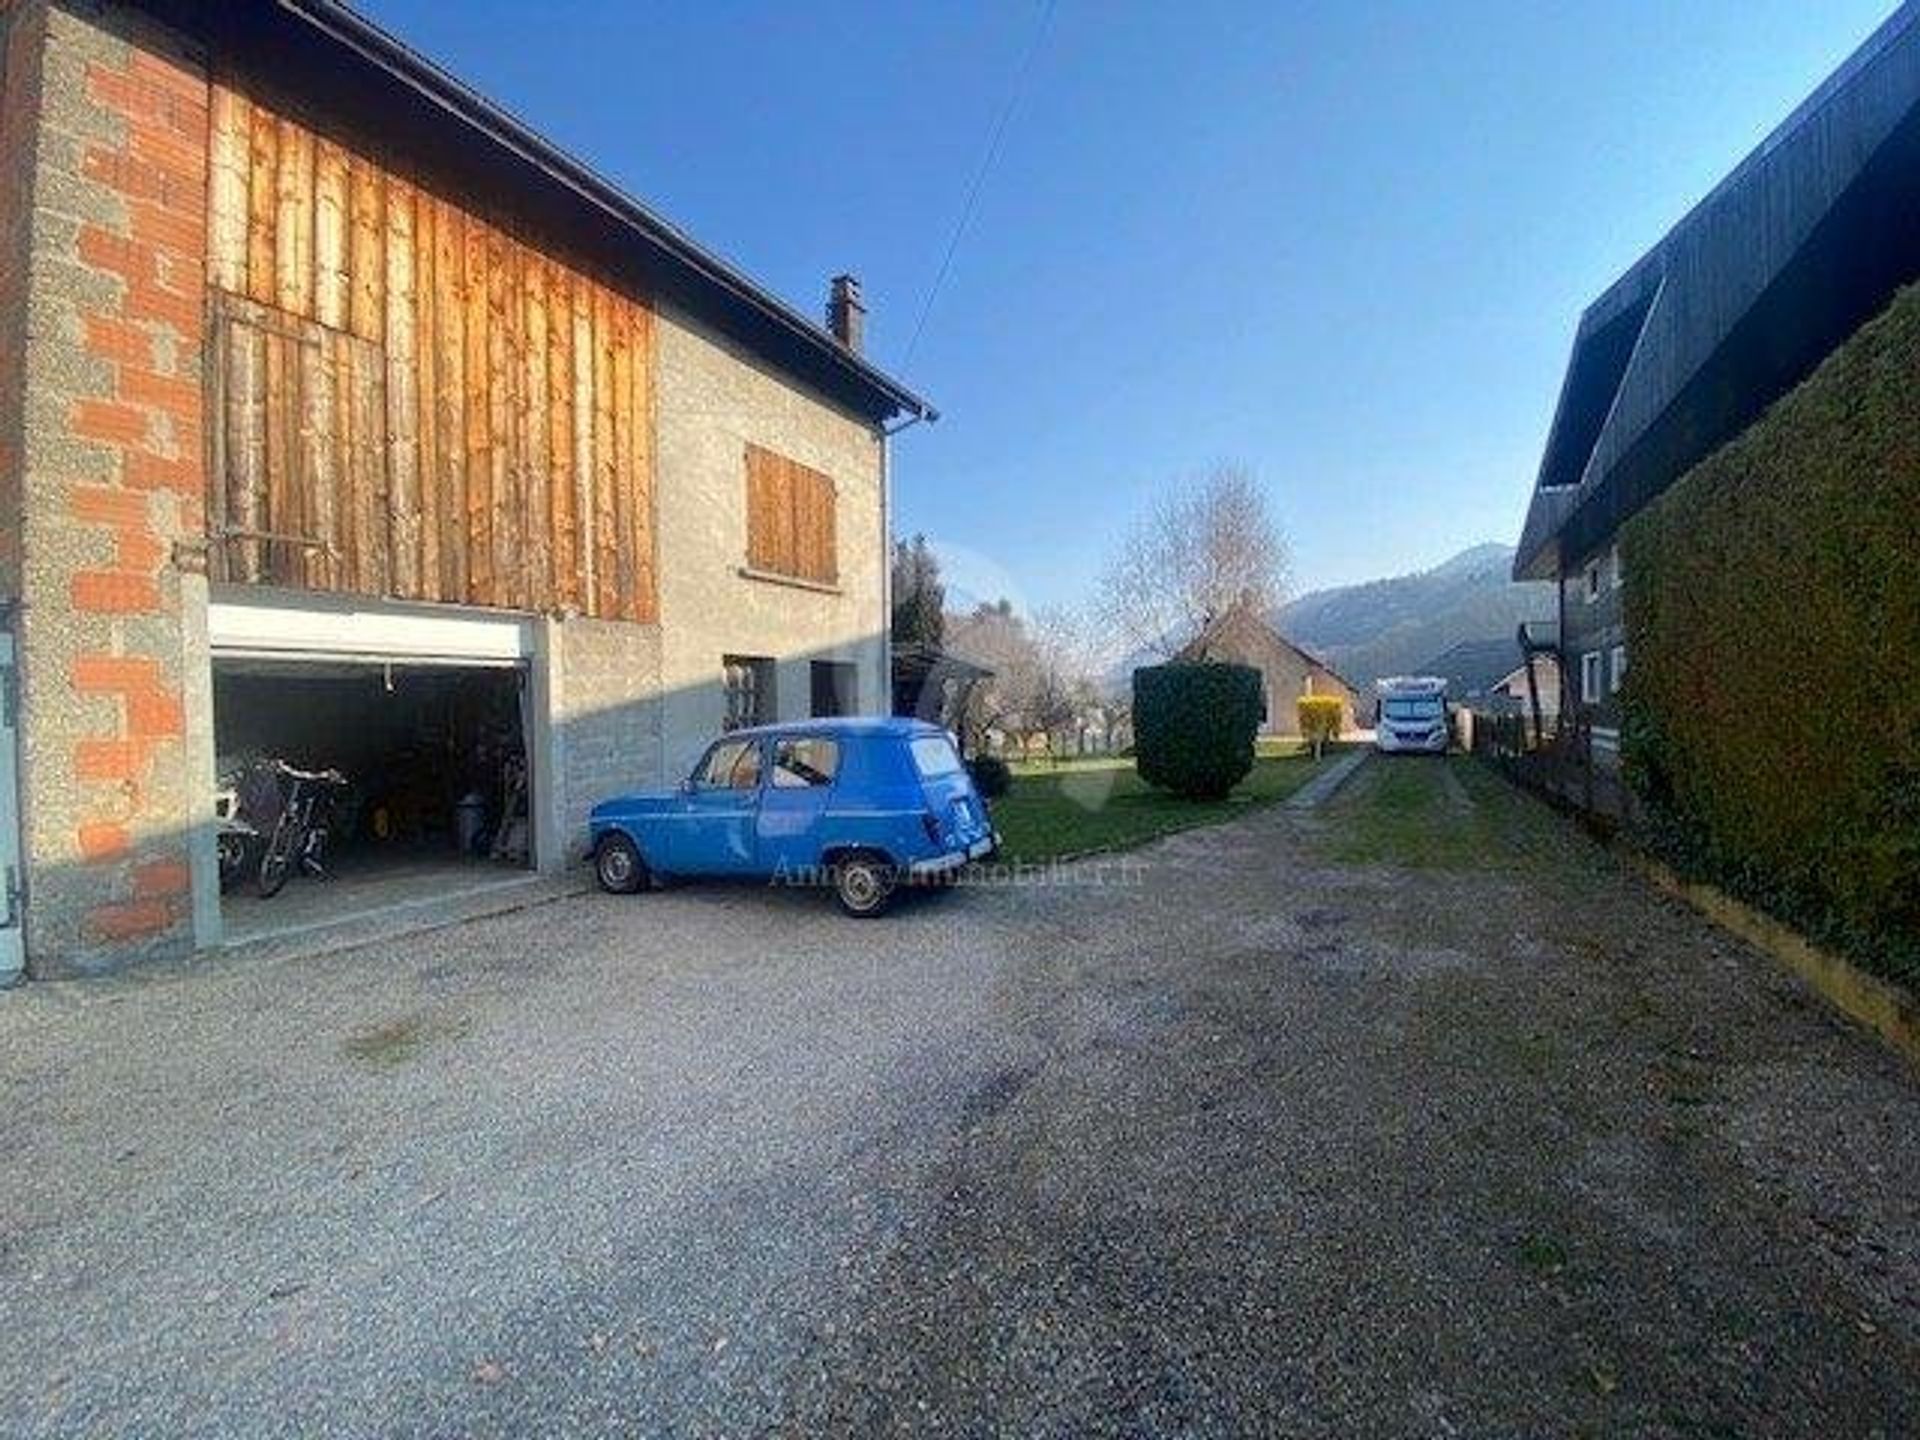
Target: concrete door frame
[[13, 948], [257, 622]]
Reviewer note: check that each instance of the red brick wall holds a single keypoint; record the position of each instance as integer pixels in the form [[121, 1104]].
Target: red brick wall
[[113, 484], [150, 421]]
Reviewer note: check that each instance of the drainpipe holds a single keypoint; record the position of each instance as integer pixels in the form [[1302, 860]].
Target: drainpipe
[[887, 432]]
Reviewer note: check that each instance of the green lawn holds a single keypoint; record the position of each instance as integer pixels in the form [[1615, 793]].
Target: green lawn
[[1427, 813], [1101, 804]]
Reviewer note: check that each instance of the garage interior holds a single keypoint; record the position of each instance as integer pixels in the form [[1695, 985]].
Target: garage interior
[[437, 786]]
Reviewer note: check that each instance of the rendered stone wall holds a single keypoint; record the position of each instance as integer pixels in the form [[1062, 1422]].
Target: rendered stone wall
[[710, 402], [22, 40], [603, 719]]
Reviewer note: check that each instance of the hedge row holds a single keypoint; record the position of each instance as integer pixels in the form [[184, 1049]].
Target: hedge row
[[1772, 711]]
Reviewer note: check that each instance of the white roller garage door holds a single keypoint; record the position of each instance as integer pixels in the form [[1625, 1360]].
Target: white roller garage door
[[267, 626]]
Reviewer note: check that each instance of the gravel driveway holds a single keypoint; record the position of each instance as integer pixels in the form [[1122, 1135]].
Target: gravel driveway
[[1266, 1132]]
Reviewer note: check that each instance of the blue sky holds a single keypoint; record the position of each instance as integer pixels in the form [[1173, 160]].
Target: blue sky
[[1345, 244]]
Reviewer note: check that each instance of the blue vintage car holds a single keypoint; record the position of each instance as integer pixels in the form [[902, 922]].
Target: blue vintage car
[[860, 804]]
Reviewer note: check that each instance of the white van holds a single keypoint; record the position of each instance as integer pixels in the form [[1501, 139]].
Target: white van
[[1411, 715]]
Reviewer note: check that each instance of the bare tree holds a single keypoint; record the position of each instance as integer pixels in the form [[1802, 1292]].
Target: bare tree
[[991, 635], [1202, 549], [1039, 676]]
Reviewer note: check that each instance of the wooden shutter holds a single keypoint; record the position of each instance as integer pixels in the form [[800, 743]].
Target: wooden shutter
[[790, 519]]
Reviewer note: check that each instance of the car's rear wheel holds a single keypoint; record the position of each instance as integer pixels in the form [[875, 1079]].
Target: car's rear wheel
[[863, 884], [618, 867]]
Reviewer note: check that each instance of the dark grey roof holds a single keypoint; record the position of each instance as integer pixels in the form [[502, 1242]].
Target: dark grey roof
[[1800, 244], [325, 58], [913, 660]]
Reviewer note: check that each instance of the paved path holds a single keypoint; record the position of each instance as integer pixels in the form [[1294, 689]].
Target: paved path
[[1317, 791], [1382, 1120]]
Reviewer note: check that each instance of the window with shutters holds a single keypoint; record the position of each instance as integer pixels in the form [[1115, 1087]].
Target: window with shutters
[[790, 519]]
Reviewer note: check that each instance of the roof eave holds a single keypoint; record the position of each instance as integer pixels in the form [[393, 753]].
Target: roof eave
[[348, 27], [495, 126]]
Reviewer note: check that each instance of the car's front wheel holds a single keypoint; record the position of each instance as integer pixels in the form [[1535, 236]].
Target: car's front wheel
[[618, 867], [863, 884]]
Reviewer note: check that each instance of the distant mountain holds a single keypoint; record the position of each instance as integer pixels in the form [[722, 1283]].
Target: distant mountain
[[1393, 627]]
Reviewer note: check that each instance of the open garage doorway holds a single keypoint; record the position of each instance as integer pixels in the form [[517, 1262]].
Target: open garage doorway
[[420, 718], [416, 771]]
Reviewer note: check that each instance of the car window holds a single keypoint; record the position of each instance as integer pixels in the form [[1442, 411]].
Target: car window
[[933, 755], [801, 761], [731, 765]]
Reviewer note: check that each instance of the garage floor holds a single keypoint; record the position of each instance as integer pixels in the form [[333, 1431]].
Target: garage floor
[[361, 883]]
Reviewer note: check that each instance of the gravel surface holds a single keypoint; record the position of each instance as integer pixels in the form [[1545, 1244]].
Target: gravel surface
[[1226, 1137]]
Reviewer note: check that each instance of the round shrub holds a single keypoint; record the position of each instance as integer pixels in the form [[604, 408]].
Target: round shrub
[[1320, 717], [1193, 726], [991, 776]]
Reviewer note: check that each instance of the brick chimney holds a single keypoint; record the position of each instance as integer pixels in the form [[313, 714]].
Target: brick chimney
[[846, 316]]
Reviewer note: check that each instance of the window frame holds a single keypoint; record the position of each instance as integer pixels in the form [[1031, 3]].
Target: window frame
[[762, 675], [1592, 676], [1616, 668]]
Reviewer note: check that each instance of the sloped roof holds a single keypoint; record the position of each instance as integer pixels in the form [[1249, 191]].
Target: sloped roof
[[1800, 244], [329, 58], [1250, 621]]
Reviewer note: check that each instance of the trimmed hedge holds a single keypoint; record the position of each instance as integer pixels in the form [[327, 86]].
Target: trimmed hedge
[[992, 777], [1771, 717], [1193, 726]]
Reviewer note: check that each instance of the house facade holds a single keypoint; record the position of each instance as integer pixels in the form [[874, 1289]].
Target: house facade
[[1245, 637], [1808, 238], [329, 390], [1515, 694]]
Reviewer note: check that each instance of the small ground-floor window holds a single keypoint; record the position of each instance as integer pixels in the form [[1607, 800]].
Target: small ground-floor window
[[1590, 677], [836, 688], [748, 680], [1617, 668]]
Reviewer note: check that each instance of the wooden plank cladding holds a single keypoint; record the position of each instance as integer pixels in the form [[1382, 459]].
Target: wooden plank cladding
[[410, 401], [790, 519]]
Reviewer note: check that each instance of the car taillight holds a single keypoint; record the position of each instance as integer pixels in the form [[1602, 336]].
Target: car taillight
[[931, 826]]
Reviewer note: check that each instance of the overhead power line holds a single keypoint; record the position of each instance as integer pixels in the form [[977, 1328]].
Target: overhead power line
[[980, 175]]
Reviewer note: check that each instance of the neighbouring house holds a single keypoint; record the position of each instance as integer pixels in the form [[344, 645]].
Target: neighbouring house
[[1510, 693], [345, 419], [1786, 258], [1729, 501], [1491, 675], [1244, 636]]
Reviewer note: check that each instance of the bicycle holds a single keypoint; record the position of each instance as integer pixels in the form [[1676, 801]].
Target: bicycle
[[300, 832]]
